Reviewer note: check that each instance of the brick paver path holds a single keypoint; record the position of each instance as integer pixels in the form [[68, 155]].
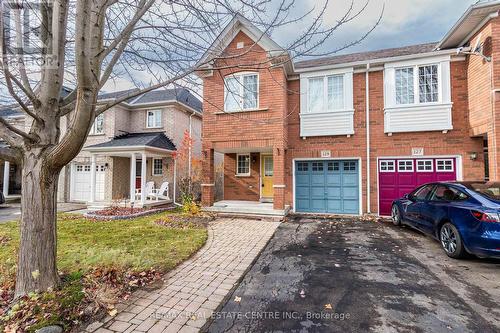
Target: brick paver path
[[194, 290]]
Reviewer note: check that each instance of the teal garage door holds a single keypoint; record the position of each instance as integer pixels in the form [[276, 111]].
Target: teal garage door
[[327, 187]]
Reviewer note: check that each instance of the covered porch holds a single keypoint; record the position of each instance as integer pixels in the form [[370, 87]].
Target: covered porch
[[143, 172], [253, 180]]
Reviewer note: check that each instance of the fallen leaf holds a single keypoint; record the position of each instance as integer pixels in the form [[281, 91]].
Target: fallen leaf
[[237, 299], [328, 306], [113, 312]]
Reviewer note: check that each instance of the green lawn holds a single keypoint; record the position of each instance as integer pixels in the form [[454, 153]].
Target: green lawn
[[131, 244]]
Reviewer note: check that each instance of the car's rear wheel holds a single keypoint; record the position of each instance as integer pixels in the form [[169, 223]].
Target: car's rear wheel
[[395, 215], [451, 241]]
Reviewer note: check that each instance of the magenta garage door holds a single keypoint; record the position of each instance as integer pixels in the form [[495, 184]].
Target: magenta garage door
[[397, 177]]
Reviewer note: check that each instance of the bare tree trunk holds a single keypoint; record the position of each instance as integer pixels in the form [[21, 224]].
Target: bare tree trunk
[[37, 251]]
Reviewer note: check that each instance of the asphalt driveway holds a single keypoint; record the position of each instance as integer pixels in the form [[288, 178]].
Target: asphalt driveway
[[355, 276], [12, 211]]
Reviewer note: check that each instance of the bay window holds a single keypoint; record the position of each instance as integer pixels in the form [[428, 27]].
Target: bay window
[[417, 95], [241, 92], [326, 104]]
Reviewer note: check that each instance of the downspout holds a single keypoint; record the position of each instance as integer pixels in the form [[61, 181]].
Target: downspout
[[368, 203], [190, 149], [190, 137]]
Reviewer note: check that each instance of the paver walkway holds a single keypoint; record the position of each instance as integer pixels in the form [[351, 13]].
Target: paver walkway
[[193, 291]]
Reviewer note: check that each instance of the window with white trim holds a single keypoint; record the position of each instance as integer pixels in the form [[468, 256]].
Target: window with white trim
[[387, 166], [153, 119], [405, 166], [325, 93], [444, 165], [425, 166], [241, 92], [417, 90], [98, 125], [243, 165], [157, 167]]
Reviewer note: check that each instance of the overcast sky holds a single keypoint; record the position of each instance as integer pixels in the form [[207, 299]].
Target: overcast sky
[[404, 22]]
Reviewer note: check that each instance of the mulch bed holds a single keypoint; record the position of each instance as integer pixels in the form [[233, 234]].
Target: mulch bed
[[122, 213], [185, 221]]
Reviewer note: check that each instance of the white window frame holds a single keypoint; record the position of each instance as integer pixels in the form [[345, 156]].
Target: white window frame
[[388, 170], [444, 81], [445, 160], [154, 112], [416, 85], [405, 170], [347, 83], [93, 129], [249, 165], [240, 94], [153, 168], [425, 160]]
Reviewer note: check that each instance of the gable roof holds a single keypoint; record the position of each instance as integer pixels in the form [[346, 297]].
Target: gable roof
[[237, 24], [151, 140], [366, 56], [470, 22]]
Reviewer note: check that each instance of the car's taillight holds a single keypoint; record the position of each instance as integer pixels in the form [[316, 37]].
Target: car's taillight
[[486, 217]]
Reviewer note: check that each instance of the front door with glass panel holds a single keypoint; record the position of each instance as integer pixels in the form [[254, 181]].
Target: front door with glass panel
[[267, 176]]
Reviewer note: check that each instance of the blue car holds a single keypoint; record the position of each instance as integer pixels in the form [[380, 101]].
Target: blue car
[[463, 216]]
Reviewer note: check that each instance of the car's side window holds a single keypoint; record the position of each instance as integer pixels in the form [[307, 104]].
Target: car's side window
[[446, 193], [421, 193]]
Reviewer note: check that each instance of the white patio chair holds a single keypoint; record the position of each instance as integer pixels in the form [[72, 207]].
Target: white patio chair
[[160, 193], [148, 189]]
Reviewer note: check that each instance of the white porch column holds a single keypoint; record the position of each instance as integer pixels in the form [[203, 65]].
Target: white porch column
[[6, 177], [143, 179], [132, 177], [92, 178]]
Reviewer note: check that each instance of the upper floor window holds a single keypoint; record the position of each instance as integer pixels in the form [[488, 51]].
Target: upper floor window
[[325, 93], [425, 85], [153, 119], [98, 126], [241, 92]]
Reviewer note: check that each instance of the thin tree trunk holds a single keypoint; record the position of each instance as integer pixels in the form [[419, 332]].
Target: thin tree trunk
[[37, 251]]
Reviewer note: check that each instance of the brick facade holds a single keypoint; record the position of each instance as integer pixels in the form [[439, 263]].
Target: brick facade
[[275, 127]]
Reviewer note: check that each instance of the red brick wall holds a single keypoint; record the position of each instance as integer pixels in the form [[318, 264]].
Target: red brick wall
[[483, 78], [276, 128], [455, 142], [241, 187]]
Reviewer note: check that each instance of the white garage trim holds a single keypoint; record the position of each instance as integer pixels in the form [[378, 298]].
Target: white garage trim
[[459, 171], [100, 185], [360, 180]]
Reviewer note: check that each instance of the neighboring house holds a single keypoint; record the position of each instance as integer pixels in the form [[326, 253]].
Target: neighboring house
[[299, 134], [147, 128]]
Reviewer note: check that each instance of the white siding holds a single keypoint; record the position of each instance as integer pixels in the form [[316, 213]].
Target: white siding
[[327, 123], [418, 119]]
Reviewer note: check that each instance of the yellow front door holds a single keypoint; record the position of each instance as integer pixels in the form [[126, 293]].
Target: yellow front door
[[267, 176]]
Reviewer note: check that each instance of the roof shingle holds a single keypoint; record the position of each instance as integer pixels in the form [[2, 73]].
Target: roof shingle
[[365, 56], [150, 139]]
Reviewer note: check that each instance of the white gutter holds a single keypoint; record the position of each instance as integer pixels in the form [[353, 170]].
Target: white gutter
[[368, 209]]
